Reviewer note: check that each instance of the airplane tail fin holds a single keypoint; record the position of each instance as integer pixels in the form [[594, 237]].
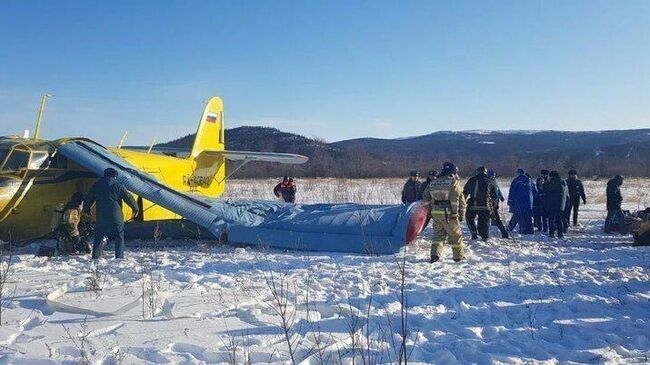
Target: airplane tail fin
[[209, 135], [209, 174]]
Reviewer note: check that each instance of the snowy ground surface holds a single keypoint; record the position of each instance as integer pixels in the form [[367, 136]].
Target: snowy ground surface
[[531, 299]]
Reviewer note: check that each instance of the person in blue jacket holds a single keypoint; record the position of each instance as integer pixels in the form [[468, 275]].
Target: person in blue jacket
[[108, 194], [520, 201]]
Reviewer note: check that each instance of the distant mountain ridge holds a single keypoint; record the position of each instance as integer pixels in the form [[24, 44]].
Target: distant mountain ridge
[[593, 153]]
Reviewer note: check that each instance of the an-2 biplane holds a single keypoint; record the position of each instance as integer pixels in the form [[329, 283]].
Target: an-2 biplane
[[37, 176]]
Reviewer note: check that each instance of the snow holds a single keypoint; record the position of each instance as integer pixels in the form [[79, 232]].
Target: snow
[[531, 299]]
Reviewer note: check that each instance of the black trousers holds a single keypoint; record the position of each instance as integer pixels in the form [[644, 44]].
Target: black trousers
[[556, 223], [116, 235], [496, 220], [573, 206], [541, 219], [483, 228]]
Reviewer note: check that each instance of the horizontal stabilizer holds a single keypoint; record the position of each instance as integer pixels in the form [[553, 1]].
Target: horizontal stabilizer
[[287, 158]]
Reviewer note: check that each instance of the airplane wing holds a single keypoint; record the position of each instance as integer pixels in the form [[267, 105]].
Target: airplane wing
[[287, 158], [248, 156]]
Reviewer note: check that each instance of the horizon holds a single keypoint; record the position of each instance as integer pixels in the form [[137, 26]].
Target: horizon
[[333, 70]]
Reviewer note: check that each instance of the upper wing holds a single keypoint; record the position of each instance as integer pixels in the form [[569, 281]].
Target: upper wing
[[288, 158]]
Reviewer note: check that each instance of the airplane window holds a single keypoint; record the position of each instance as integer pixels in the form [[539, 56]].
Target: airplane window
[[16, 161], [3, 154], [59, 162], [38, 159]]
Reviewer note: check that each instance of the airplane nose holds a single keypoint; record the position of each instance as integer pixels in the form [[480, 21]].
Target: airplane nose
[[8, 189]]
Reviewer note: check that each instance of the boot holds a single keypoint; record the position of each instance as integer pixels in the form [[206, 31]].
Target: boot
[[436, 252], [458, 253]]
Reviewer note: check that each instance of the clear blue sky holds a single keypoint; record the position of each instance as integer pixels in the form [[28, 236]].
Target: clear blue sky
[[333, 69]]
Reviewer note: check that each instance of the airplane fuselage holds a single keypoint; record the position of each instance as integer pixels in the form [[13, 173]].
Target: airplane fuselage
[[35, 181]]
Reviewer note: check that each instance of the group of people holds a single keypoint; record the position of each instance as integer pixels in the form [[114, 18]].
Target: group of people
[[548, 204], [107, 194]]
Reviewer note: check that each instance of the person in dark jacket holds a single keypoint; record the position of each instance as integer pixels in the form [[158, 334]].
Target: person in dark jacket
[[277, 190], [108, 194], [556, 194], [520, 199], [614, 201], [286, 190], [495, 216], [539, 212], [289, 193], [432, 175], [480, 193], [411, 192], [576, 193]]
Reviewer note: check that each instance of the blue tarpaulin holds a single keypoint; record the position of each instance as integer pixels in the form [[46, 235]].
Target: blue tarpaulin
[[375, 229]]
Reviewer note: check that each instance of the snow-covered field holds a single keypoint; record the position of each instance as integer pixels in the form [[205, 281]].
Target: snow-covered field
[[530, 299]]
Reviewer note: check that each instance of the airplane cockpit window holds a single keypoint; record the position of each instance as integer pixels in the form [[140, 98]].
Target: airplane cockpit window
[[58, 161], [17, 160], [38, 159], [3, 154]]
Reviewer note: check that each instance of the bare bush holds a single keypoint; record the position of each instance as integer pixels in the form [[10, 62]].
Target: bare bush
[[79, 339], [96, 281], [6, 272]]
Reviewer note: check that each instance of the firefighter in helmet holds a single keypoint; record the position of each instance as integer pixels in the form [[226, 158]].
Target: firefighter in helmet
[[445, 197]]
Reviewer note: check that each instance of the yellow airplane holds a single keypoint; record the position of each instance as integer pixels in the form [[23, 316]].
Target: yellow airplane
[[35, 180]]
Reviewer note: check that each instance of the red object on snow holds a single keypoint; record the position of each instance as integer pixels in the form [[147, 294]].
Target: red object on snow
[[418, 220]]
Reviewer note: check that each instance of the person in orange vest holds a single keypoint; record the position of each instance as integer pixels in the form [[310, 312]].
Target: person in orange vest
[[286, 190], [277, 190]]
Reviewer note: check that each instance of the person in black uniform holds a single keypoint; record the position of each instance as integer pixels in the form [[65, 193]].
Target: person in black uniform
[[541, 216], [555, 201], [480, 192], [576, 193], [412, 189], [495, 216]]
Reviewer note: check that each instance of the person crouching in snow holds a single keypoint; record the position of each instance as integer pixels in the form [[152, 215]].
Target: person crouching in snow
[[520, 200], [615, 221], [447, 203], [69, 239]]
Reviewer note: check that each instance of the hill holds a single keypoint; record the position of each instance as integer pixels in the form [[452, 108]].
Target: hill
[[593, 153]]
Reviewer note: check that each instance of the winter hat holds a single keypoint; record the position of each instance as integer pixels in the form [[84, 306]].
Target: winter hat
[[481, 169], [554, 174], [448, 169], [491, 173], [521, 171], [414, 173], [573, 172], [110, 172], [544, 172]]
